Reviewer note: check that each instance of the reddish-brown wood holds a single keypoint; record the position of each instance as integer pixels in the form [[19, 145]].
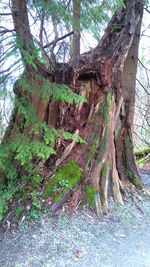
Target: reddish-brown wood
[[106, 77]]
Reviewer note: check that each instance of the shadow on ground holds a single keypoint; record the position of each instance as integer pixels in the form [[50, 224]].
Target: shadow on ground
[[120, 239]]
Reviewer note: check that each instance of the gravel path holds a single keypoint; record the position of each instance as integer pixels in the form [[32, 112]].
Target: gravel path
[[121, 239]]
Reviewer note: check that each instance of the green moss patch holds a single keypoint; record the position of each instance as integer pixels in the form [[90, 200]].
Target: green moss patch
[[131, 177], [106, 107], [135, 182], [93, 147], [65, 178], [89, 195], [19, 211], [128, 142], [104, 170], [35, 179]]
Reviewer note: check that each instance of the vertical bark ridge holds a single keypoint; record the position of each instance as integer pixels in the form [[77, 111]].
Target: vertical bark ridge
[[108, 65], [106, 77]]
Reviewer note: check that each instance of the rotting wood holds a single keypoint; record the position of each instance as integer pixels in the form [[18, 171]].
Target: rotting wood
[[106, 77]]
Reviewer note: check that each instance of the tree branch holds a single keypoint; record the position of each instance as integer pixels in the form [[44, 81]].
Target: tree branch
[[147, 9], [142, 86], [57, 40], [143, 65], [5, 31], [6, 70], [5, 14]]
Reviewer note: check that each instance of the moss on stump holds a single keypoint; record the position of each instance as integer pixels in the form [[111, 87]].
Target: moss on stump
[[65, 178]]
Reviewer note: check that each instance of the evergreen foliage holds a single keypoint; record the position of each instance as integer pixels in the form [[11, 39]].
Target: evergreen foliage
[[34, 141], [21, 154]]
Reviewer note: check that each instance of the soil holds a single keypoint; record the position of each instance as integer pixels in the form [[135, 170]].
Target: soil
[[120, 239]]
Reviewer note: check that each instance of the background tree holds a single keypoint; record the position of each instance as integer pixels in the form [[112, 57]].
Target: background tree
[[91, 105], [142, 118], [76, 30]]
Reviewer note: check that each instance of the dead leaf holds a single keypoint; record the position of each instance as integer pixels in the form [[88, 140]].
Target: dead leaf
[[78, 254]]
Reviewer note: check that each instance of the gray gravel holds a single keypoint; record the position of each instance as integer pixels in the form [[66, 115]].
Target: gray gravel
[[121, 239]]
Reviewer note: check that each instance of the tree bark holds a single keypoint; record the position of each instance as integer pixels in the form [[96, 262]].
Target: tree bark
[[106, 77], [76, 33]]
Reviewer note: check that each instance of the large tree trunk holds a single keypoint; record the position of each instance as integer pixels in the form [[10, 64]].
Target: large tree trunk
[[106, 77], [76, 34]]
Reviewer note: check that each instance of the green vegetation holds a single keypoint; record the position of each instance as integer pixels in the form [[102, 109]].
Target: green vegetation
[[104, 170], [144, 151], [60, 92], [142, 156], [19, 211], [89, 195], [106, 106], [129, 142], [33, 140], [34, 214], [135, 182], [131, 177], [142, 161], [92, 149], [3, 207], [102, 146], [128, 173], [65, 178], [47, 88], [35, 179]]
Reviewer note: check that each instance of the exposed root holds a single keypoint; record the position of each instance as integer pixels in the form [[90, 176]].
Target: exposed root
[[75, 199], [57, 205], [98, 207]]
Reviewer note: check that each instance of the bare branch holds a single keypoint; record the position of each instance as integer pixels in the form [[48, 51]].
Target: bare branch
[[143, 65], [145, 29], [5, 14], [6, 70], [10, 73], [142, 86], [5, 30], [145, 35], [147, 9], [59, 39]]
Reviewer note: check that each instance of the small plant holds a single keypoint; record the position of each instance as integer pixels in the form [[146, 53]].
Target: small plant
[[36, 205], [35, 179], [3, 208], [89, 195], [65, 178], [36, 200], [19, 211], [34, 214], [63, 222]]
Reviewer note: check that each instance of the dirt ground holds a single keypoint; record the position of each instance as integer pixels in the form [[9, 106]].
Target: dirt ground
[[120, 239]]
